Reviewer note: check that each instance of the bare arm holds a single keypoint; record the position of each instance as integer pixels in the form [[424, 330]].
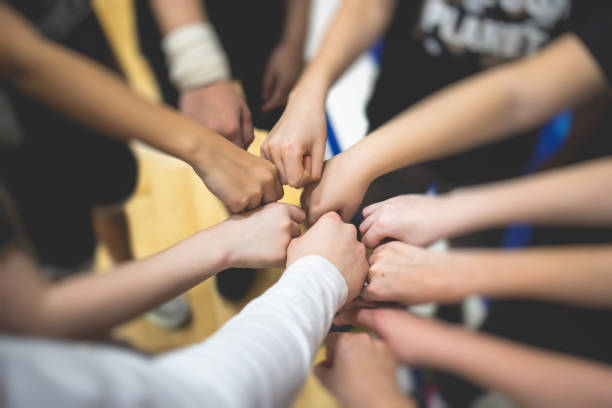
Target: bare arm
[[173, 14], [297, 143], [93, 96], [200, 70], [91, 304], [571, 196], [482, 109], [528, 376], [579, 275]]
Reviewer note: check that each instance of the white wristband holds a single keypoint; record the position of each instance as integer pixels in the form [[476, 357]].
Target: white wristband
[[195, 57]]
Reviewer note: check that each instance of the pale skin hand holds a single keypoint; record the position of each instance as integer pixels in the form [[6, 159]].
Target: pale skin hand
[[576, 275], [220, 107], [90, 304], [414, 219], [409, 275], [57, 77], [360, 372], [574, 195], [337, 242], [528, 376], [297, 143], [259, 239], [331, 194]]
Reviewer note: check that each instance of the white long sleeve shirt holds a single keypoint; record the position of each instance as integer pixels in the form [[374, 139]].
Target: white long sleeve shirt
[[260, 358]]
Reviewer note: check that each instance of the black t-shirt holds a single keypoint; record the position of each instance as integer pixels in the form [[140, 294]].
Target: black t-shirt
[[433, 43], [6, 232]]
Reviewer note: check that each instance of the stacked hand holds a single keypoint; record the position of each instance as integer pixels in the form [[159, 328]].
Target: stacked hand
[[219, 107], [360, 371], [337, 242], [413, 219], [296, 144]]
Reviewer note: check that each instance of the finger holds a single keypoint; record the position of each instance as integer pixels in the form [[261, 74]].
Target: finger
[[367, 223], [278, 98], [293, 158], [372, 238], [296, 230], [359, 317], [317, 156], [267, 84], [254, 201], [272, 190], [246, 126], [322, 371], [277, 159], [296, 213], [371, 208]]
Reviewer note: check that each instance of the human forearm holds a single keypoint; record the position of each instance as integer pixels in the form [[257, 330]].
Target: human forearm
[[296, 23], [574, 275], [72, 308], [485, 108], [357, 24], [530, 377], [575, 195], [171, 14]]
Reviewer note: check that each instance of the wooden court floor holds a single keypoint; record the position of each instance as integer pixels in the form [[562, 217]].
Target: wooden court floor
[[171, 203]]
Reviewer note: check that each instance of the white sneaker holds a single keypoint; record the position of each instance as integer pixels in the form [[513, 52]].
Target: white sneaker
[[172, 315]]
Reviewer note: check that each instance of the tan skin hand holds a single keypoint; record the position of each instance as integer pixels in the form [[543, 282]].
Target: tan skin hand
[[360, 371], [220, 107], [242, 181], [282, 72], [409, 275], [337, 242], [296, 144], [413, 219]]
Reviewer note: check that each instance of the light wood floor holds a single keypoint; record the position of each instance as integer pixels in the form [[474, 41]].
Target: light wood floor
[[170, 204]]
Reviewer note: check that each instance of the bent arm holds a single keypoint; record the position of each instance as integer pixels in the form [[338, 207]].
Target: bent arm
[[58, 77], [485, 108]]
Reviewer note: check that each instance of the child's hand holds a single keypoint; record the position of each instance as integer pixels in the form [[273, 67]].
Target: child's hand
[[337, 242], [360, 371], [341, 189], [413, 219], [259, 239], [409, 275], [241, 180]]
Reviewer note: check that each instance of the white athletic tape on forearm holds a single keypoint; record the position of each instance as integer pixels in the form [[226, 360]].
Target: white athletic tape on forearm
[[195, 56]]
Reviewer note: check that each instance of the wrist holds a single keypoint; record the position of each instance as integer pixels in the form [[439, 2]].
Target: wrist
[[312, 86], [465, 210]]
